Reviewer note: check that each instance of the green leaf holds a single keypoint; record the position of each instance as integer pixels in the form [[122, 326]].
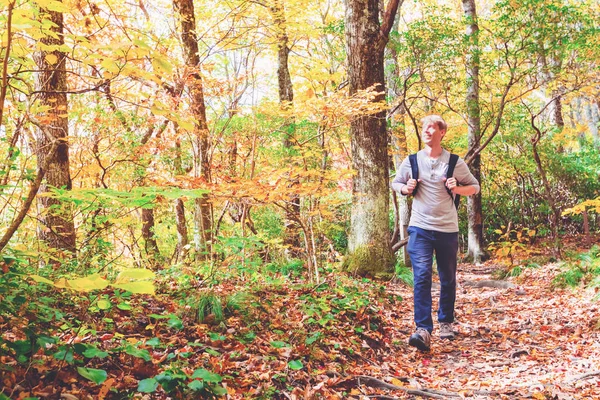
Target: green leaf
[[92, 282], [104, 304], [279, 344], [161, 64], [313, 338], [196, 385], [174, 322], [64, 354], [137, 287], [54, 5], [212, 352], [135, 274], [92, 352], [295, 365], [147, 385], [95, 375], [153, 342], [124, 306], [219, 390], [45, 341], [41, 279], [216, 336], [139, 353], [158, 316], [206, 376]]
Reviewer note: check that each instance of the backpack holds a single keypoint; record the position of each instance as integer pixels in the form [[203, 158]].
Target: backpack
[[414, 167]]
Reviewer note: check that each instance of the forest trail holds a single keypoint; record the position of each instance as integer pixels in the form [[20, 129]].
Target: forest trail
[[529, 341], [344, 338]]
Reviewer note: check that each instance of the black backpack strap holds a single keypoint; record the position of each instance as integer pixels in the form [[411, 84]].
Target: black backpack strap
[[449, 174], [414, 168]]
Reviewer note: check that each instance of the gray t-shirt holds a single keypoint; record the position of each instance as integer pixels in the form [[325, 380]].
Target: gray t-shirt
[[433, 208]]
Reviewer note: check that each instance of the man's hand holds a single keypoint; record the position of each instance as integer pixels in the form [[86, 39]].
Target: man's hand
[[451, 184], [411, 185]]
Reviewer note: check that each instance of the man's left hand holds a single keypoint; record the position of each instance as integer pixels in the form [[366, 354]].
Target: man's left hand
[[451, 184]]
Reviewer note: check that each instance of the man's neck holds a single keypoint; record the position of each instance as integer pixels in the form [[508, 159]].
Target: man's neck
[[433, 152]]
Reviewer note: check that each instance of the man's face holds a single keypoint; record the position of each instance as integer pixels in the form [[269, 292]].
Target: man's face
[[432, 135]]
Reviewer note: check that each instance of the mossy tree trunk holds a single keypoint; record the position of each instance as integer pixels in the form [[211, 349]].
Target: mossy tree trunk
[[369, 251], [476, 241]]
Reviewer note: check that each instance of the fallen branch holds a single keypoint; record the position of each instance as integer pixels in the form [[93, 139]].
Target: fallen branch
[[491, 284], [583, 376], [379, 384]]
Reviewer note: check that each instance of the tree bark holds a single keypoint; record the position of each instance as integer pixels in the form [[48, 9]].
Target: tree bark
[[586, 229], [592, 117], [181, 222], [58, 229], [291, 239], [548, 194], [151, 246], [398, 144], [368, 241], [203, 208], [476, 243]]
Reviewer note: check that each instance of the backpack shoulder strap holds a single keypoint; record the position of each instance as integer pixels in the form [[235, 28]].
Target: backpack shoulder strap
[[414, 168], [451, 165], [449, 174]]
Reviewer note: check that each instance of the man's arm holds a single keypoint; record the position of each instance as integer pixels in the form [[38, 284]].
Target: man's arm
[[463, 182], [402, 180], [468, 190]]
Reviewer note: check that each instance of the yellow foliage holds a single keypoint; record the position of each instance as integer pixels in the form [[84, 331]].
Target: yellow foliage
[[51, 59], [135, 280], [590, 205]]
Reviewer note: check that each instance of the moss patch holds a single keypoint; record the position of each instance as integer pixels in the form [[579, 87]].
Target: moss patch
[[370, 261]]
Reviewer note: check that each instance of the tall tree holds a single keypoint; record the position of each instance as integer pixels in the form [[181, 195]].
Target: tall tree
[[369, 238], [203, 210], [474, 210], [51, 91], [286, 97], [398, 144]]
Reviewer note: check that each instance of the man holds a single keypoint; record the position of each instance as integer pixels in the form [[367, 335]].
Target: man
[[433, 227]]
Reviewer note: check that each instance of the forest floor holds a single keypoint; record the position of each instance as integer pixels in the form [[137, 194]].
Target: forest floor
[[342, 339]]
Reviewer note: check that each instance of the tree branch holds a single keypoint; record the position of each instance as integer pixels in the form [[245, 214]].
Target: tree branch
[[377, 383], [390, 15], [35, 185]]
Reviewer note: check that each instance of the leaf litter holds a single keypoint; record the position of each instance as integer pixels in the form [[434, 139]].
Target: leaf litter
[[344, 338]]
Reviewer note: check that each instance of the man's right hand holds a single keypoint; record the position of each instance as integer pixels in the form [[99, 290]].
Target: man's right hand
[[411, 185]]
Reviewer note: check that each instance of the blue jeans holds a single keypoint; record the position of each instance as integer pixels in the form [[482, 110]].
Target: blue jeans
[[422, 244]]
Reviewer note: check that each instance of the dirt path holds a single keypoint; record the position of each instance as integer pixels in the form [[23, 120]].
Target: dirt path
[[529, 341]]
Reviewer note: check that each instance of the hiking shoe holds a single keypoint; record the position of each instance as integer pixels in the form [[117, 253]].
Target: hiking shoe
[[446, 331], [421, 339]]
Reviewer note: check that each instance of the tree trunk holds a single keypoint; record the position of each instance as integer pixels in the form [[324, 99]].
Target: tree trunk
[[203, 209], [182, 233], [181, 222], [51, 86], [150, 244], [592, 117], [586, 229], [398, 144], [548, 193], [476, 242], [368, 241], [400, 152], [291, 239], [284, 80]]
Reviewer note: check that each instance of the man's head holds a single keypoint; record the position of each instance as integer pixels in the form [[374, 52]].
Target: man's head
[[434, 129]]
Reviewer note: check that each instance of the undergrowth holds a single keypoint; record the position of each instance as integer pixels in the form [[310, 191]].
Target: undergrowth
[[580, 269]]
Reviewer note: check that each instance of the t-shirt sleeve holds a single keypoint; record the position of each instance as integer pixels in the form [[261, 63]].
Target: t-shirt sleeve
[[464, 177], [402, 176]]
